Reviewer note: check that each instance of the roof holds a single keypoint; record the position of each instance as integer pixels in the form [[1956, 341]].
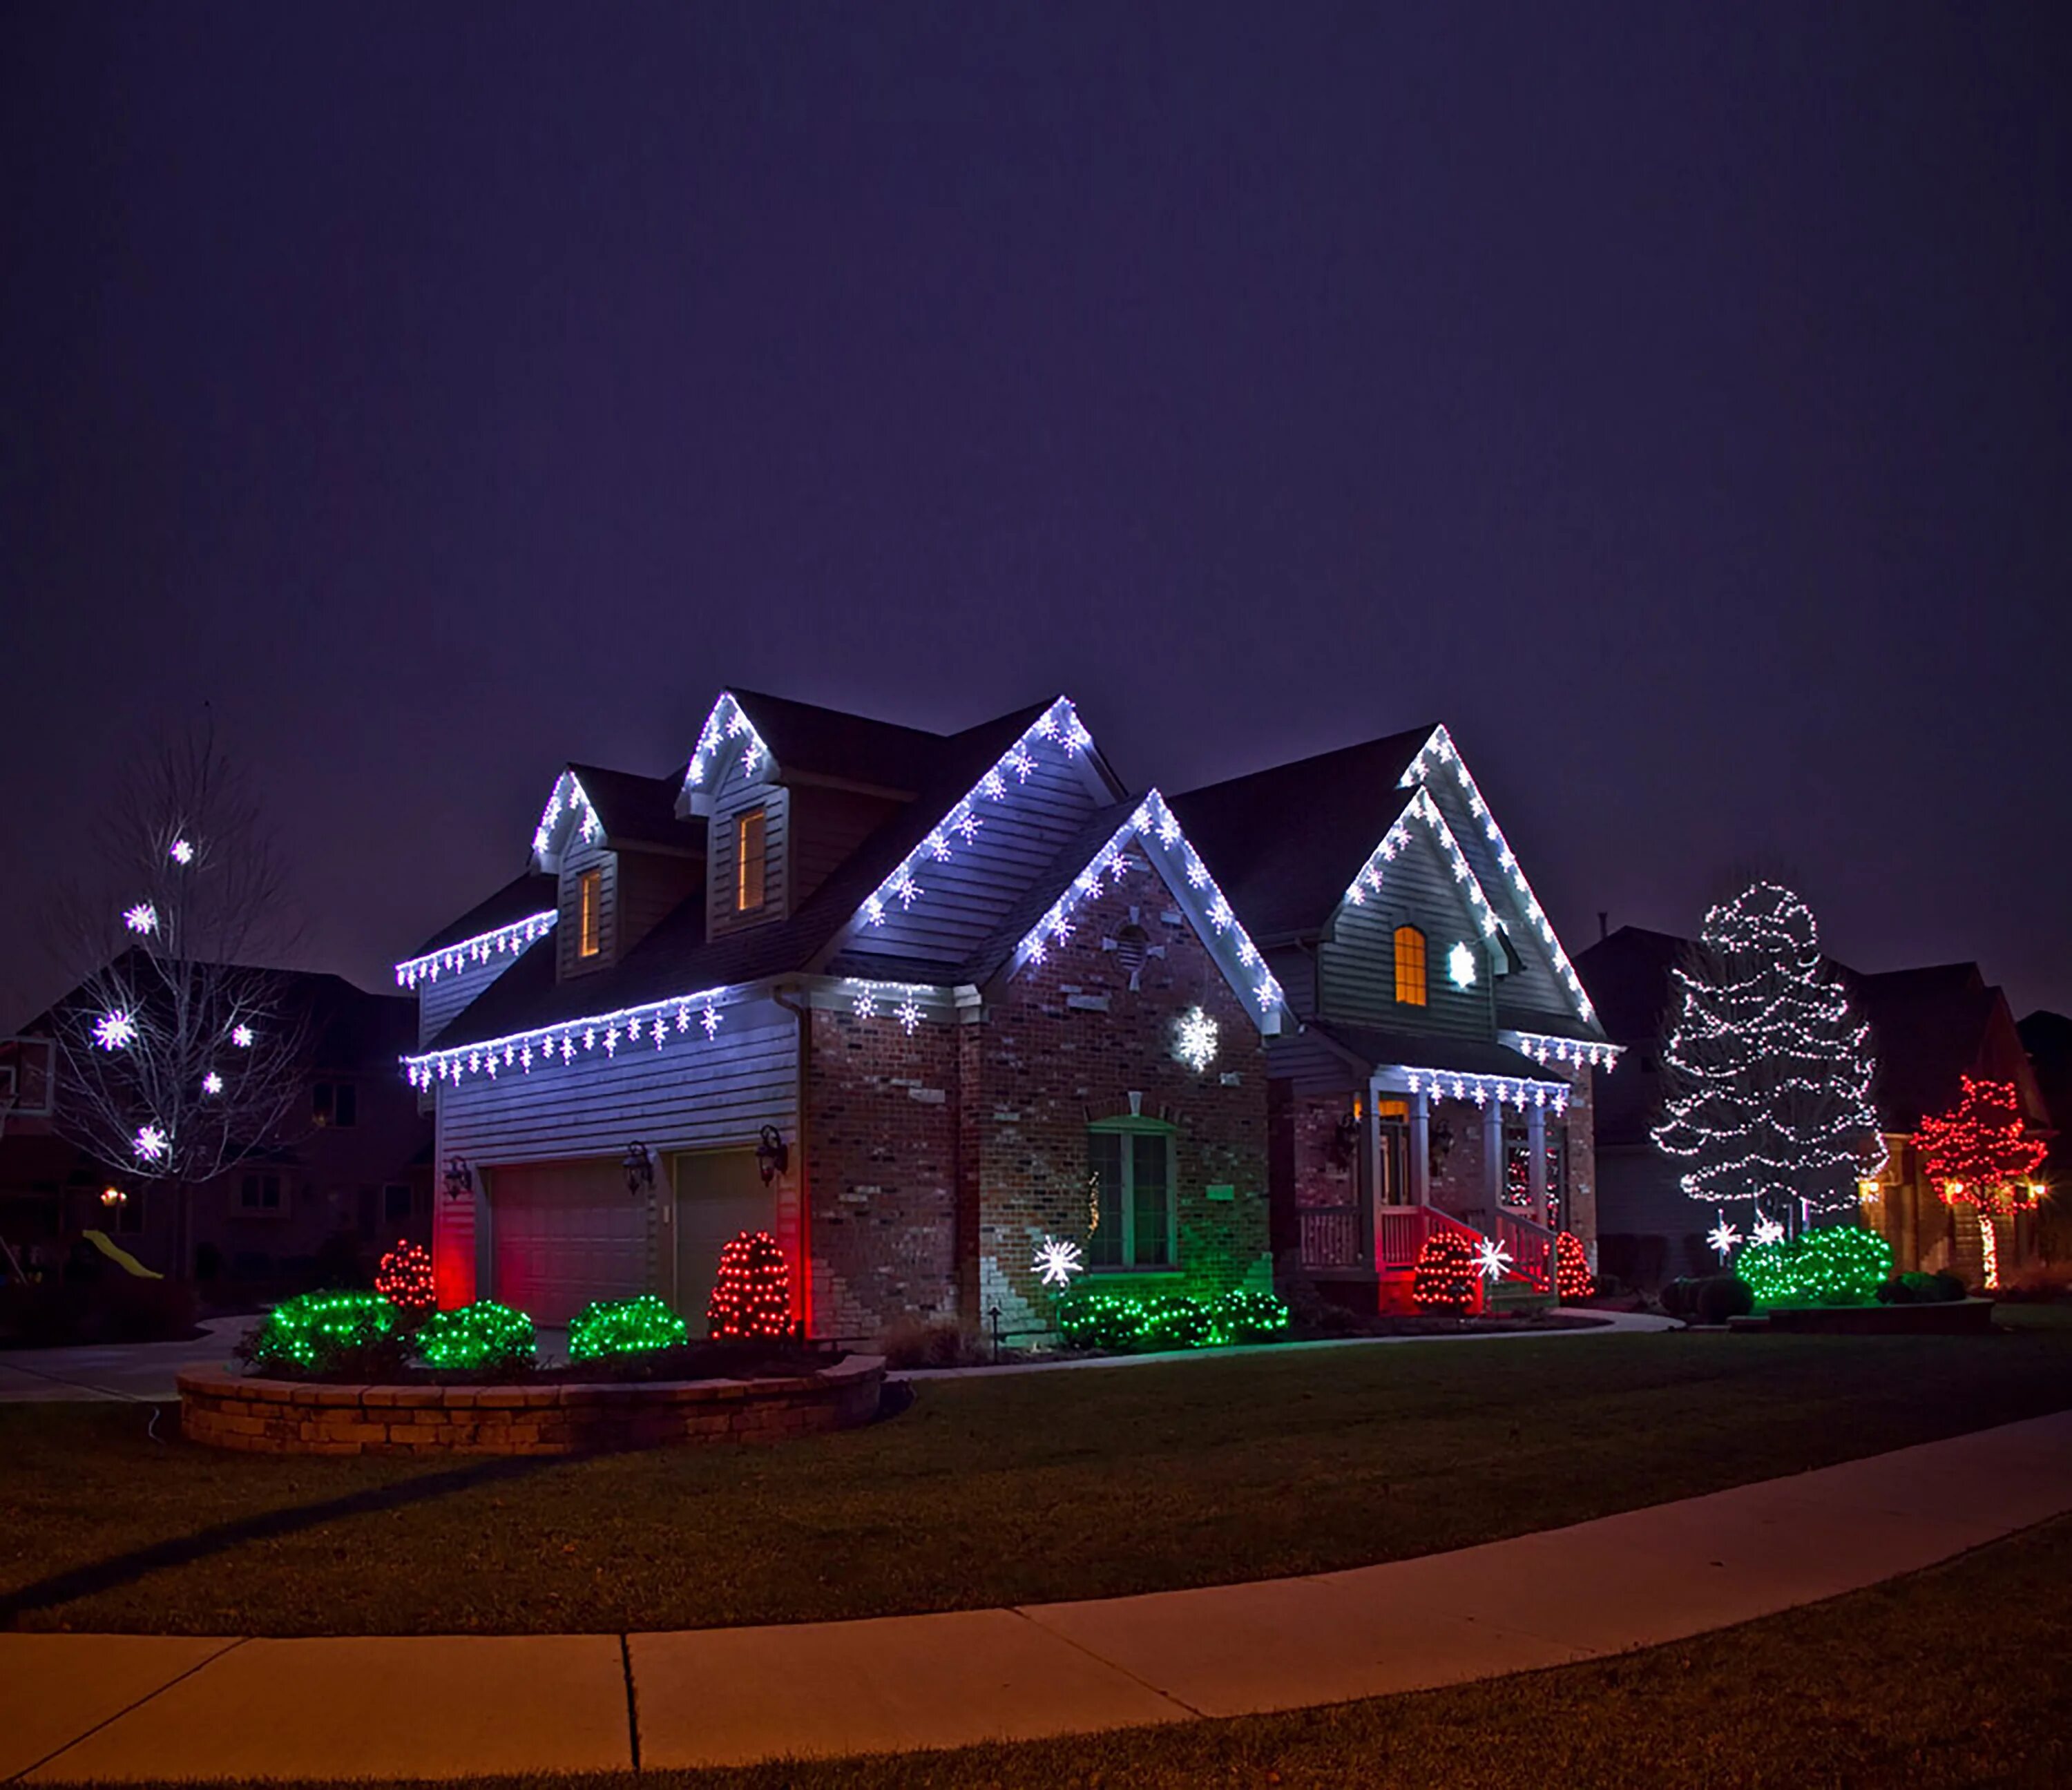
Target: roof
[[1284, 843], [530, 892], [639, 810], [1427, 1050], [1627, 976], [1035, 902], [677, 958], [807, 739]]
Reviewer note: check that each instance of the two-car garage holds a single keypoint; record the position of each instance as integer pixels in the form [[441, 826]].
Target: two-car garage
[[563, 1233]]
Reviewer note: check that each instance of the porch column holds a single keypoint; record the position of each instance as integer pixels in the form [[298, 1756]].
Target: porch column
[[1371, 1161], [1493, 1160], [1535, 1171], [1421, 1148]]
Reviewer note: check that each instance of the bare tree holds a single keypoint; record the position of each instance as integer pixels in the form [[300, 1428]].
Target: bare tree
[[180, 1055]]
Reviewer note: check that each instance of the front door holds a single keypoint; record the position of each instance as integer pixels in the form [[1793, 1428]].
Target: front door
[[719, 1193]]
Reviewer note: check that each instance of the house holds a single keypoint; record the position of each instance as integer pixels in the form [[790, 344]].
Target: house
[[1930, 1027], [918, 1004], [1435, 1068], [350, 1175]]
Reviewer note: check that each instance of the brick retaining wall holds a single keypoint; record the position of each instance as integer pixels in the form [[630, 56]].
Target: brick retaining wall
[[288, 1417]]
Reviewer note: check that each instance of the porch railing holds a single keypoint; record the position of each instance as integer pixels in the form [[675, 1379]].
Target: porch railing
[[1330, 1236]]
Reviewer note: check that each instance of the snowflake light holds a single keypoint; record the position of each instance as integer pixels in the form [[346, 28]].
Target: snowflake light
[[1460, 965], [1769, 1230], [1492, 1258], [114, 1031], [866, 1004], [1723, 1237], [1195, 1044], [242, 1036], [181, 853], [909, 1014], [141, 919], [151, 1142], [709, 1020], [1057, 1259], [212, 1083]]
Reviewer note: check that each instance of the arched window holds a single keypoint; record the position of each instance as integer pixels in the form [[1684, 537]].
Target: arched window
[[1410, 965]]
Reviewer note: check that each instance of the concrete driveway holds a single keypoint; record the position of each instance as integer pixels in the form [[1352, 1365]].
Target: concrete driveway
[[123, 1372]]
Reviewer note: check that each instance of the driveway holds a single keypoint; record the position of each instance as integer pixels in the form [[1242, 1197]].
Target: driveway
[[125, 1371]]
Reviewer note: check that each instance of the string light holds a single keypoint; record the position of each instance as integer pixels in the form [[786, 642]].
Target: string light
[[570, 798], [751, 1295], [1983, 1154], [1439, 747], [563, 1040], [1194, 1040], [1544, 1048], [473, 1338], [482, 948], [624, 1326], [1830, 1265], [1057, 1259], [1505, 1090], [405, 1277], [316, 1331], [1127, 1322], [728, 720], [1769, 1072], [1447, 1272], [1572, 1268], [141, 919]]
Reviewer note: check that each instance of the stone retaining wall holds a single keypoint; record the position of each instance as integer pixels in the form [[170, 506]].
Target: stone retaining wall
[[289, 1416]]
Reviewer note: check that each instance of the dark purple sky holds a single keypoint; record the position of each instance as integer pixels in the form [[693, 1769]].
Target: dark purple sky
[[1676, 404]]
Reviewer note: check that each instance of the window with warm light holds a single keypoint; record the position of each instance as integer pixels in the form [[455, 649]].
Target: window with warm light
[[1410, 965], [590, 909], [748, 832]]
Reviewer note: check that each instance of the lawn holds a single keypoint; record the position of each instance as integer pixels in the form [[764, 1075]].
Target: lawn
[[1082, 1483]]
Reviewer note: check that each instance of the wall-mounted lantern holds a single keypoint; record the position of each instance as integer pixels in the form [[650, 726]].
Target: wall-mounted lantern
[[460, 1178], [639, 1167], [772, 1155]]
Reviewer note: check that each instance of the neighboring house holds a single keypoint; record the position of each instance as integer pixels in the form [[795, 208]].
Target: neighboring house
[[917, 1004], [1436, 1067], [1930, 1027], [2047, 1037], [351, 1177]]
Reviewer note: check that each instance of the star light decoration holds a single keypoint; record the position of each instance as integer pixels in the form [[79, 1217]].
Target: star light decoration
[[212, 1083], [1057, 1260], [1194, 1042], [1439, 751], [143, 919], [242, 1036], [1492, 1258], [1769, 1230], [151, 1142], [115, 1031], [1723, 1237], [484, 947], [182, 852]]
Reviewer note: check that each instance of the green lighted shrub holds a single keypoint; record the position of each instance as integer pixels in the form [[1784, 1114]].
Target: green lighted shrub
[[624, 1326], [329, 1332], [483, 1335], [1094, 1318], [1833, 1265]]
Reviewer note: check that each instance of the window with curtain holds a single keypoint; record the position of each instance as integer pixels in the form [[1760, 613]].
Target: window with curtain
[[1410, 965]]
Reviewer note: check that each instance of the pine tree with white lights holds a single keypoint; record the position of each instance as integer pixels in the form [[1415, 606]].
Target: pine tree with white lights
[[1768, 1071], [177, 1059]]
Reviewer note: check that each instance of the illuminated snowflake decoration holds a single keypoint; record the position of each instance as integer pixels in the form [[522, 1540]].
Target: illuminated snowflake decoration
[[242, 1036], [1057, 1259], [1769, 1230], [1195, 1041], [113, 1031], [1723, 1237], [1460, 965], [141, 919], [1492, 1257], [909, 1013], [709, 1020], [865, 1006], [151, 1142], [180, 852], [212, 1083], [967, 824]]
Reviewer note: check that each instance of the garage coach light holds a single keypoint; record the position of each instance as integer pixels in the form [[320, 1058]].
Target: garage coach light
[[771, 1156], [639, 1167], [460, 1178]]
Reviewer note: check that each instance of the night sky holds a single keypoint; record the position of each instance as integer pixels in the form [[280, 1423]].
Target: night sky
[[1674, 400]]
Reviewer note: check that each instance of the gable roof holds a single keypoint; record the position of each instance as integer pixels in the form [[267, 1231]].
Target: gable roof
[[1373, 1049], [528, 893], [807, 740], [1287, 841], [638, 810]]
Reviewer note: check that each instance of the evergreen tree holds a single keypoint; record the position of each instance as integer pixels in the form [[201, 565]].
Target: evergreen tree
[[1768, 1072]]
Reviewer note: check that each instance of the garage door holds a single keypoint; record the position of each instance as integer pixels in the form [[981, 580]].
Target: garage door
[[719, 1194], [562, 1234]]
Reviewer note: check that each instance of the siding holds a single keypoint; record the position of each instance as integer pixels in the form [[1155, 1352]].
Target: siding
[[1296, 971], [964, 898], [1356, 965], [735, 797], [1309, 1066], [1534, 988], [439, 1002], [567, 931]]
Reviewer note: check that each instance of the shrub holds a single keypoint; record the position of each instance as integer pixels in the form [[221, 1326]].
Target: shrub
[[1939, 1288], [1445, 1277], [751, 1294], [913, 1342], [1721, 1296], [1572, 1268], [624, 1326], [1252, 1317], [1833, 1265], [328, 1333], [484, 1335], [1125, 1322], [405, 1278]]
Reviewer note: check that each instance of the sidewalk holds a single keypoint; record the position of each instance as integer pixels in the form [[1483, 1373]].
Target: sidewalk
[[140, 1373], [121, 1708]]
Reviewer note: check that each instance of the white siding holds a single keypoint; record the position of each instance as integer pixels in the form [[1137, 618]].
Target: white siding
[[438, 1002]]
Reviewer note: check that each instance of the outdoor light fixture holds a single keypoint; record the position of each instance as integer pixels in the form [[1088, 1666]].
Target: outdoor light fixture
[[771, 1156], [114, 1197], [460, 1178], [639, 1167]]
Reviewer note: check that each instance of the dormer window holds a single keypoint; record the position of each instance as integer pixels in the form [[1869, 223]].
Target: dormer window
[[748, 861], [1409, 967], [589, 912]]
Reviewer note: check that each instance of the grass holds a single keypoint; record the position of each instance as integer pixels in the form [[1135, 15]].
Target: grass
[[1959, 1676], [1085, 1484]]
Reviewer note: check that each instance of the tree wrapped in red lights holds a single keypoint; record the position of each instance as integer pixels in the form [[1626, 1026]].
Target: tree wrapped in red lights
[[405, 1278], [1983, 1154], [1446, 1277], [1572, 1268], [751, 1294]]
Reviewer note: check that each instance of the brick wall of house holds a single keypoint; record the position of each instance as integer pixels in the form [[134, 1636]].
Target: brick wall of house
[[1066, 1042], [1578, 1129]]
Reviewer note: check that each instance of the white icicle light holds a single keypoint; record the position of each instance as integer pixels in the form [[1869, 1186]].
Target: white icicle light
[[1441, 1084], [727, 721], [484, 947], [657, 1022], [1569, 1052]]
